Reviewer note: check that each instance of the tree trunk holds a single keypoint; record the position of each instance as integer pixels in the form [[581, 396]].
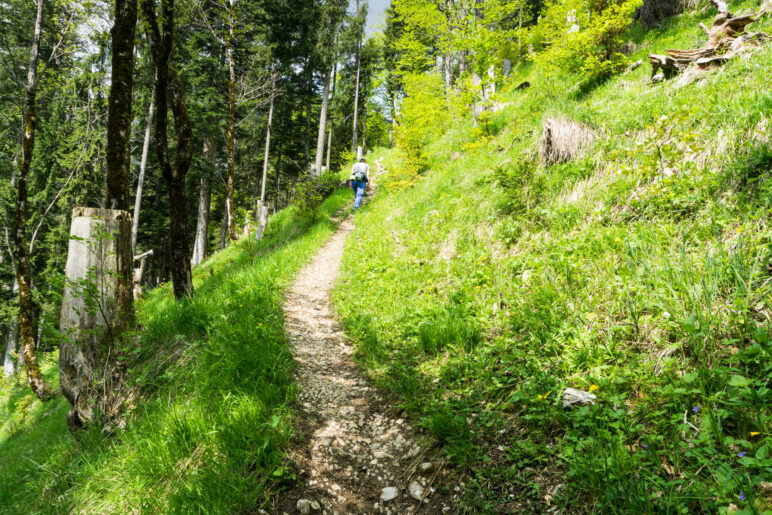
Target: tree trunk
[[224, 226], [10, 349], [23, 271], [447, 58], [169, 93], [118, 152], [306, 143], [88, 377], [262, 215], [231, 125], [354, 136], [200, 243], [278, 184], [364, 121], [392, 127], [332, 100], [141, 179], [322, 124]]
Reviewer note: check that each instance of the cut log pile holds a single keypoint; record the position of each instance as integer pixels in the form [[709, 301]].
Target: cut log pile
[[726, 39]]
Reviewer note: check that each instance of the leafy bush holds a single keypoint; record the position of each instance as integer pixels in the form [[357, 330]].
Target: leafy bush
[[423, 116], [310, 192], [584, 36]]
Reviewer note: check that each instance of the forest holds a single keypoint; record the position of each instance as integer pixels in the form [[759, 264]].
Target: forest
[[556, 298]]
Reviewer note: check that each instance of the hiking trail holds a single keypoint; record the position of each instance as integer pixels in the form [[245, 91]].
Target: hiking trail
[[355, 452]]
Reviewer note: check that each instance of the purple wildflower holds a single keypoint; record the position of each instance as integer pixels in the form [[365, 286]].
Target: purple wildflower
[[696, 409], [741, 454], [741, 496], [645, 446]]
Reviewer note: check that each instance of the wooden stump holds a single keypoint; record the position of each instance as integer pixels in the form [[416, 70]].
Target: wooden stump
[[726, 38], [89, 311], [262, 219]]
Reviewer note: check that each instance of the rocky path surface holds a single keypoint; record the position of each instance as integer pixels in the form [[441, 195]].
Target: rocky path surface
[[356, 452]]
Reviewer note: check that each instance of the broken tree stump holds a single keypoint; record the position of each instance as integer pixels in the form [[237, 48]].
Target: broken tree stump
[[89, 312], [140, 272], [726, 39]]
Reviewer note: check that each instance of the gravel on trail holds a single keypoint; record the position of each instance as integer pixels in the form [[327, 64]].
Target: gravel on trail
[[355, 452]]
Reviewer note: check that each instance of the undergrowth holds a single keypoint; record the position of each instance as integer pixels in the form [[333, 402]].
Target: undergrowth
[[210, 421], [640, 271]]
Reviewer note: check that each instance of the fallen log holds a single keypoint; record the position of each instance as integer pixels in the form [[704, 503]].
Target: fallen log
[[726, 39]]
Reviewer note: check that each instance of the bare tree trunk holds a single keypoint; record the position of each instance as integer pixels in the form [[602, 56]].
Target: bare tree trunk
[[322, 124], [332, 100], [23, 271], [364, 120], [262, 215], [10, 348], [118, 152], [306, 143], [278, 184], [356, 108], [168, 93], [231, 124], [392, 103], [447, 58], [141, 179], [204, 203], [224, 226]]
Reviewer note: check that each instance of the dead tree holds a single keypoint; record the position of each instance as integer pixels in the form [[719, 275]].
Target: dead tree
[[726, 39], [141, 179], [201, 242]]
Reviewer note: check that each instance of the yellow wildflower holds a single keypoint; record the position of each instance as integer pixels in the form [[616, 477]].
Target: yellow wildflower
[[594, 387], [754, 433]]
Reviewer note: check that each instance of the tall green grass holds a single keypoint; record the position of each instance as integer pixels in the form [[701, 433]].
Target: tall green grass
[[493, 283], [210, 421]]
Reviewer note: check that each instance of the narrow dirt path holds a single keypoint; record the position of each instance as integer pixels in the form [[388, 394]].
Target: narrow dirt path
[[356, 454]]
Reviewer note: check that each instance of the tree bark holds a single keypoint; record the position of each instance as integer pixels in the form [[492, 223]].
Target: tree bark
[[322, 124], [10, 348], [23, 271], [231, 138], [267, 143], [332, 100], [278, 184], [200, 243], [141, 179], [169, 94], [354, 137], [224, 226], [118, 152]]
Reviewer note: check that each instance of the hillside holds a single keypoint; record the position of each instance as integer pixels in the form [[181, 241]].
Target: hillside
[[482, 287], [209, 420], [629, 257]]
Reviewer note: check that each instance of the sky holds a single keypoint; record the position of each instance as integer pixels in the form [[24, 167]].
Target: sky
[[375, 14]]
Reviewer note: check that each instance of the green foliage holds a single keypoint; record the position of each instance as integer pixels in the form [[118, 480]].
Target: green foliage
[[640, 272], [209, 417], [584, 37], [310, 192], [423, 116]]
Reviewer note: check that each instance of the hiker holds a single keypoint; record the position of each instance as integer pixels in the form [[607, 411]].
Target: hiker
[[360, 176]]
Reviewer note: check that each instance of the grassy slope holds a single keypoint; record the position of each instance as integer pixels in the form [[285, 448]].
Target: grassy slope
[[492, 284], [211, 428]]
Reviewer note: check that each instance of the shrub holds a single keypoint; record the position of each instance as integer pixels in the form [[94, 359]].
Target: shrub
[[310, 192], [424, 116], [585, 36]]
